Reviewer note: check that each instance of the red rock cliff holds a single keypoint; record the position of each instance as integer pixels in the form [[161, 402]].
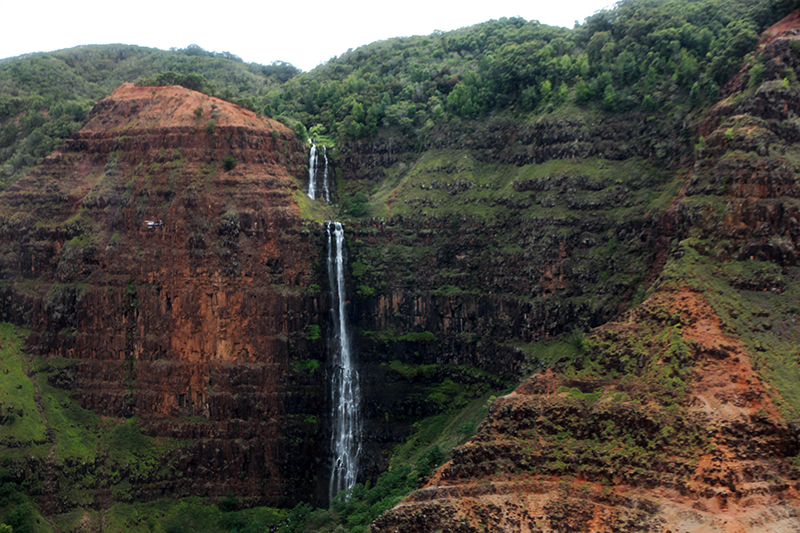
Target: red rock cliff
[[161, 253]]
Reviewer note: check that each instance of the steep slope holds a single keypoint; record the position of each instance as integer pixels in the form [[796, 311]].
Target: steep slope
[[682, 414], [45, 97], [161, 264], [688, 441]]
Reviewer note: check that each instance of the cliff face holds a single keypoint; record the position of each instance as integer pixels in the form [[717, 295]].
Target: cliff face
[[690, 440], [162, 265], [680, 415], [497, 238], [172, 288]]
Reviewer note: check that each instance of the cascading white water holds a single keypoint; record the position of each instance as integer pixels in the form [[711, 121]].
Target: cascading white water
[[325, 187], [345, 395], [312, 171]]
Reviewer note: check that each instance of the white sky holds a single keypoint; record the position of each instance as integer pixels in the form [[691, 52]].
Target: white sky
[[302, 33]]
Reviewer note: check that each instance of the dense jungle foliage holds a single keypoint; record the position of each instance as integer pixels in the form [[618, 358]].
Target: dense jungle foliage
[[651, 56]]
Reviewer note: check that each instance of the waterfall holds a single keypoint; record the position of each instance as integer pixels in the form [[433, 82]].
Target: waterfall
[[325, 186], [312, 171], [345, 396]]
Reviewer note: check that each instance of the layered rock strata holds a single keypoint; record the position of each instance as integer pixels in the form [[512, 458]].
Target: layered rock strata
[[160, 259]]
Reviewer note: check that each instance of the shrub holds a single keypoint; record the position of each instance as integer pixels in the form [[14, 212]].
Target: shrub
[[610, 98], [757, 74], [356, 205], [582, 92], [229, 162], [358, 268], [425, 336], [430, 461], [365, 290], [210, 126], [313, 332], [229, 503]]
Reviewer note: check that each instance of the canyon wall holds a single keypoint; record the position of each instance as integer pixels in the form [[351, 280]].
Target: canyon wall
[[680, 415], [173, 289], [161, 263]]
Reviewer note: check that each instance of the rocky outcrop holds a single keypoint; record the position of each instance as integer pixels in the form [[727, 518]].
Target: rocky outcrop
[[161, 258], [607, 453], [518, 143]]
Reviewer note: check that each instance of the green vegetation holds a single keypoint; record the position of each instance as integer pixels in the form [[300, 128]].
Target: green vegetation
[[313, 211], [678, 52], [423, 336], [40, 420], [192, 80], [313, 332], [412, 461], [228, 162], [668, 56], [21, 424], [355, 205], [179, 516], [545, 354], [488, 190], [308, 365], [451, 219], [17, 511], [756, 301], [45, 97]]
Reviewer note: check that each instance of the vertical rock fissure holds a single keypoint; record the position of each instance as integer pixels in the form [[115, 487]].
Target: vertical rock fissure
[[345, 394]]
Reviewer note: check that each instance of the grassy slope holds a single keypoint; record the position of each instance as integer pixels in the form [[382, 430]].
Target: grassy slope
[[23, 425], [63, 435], [765, 320], [492, 184]]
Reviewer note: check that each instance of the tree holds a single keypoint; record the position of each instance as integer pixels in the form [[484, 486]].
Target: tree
[[738, 38], [545, 89], [610, 98], [582, 92], [461, 100], [562, 94], [649, 104], [530, 99]]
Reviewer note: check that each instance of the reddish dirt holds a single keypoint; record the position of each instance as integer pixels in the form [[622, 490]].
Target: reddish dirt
[[785, 27], [732, 487], [729, 387], [173, 286], [151, 108]]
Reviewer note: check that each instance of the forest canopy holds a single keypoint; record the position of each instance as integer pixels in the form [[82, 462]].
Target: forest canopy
[[644, 56]]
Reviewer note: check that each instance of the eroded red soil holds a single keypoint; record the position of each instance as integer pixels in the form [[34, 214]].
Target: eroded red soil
[[735, 483]]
